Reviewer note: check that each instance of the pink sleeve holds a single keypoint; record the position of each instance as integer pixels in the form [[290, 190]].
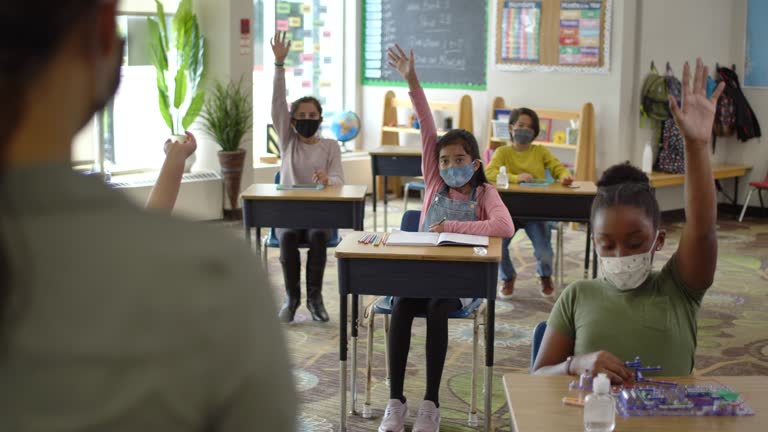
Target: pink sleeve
[[497, 221], [429, 165]]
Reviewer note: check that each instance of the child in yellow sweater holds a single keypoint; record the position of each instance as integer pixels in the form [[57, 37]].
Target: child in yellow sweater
[[525, 162]]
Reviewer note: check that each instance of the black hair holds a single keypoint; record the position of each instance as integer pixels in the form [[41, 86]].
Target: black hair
[[306, 99], [535, 123], [625, 184], [24, 53], [469, 143]]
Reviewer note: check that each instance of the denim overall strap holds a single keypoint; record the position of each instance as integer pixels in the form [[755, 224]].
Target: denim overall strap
[[443, 207]]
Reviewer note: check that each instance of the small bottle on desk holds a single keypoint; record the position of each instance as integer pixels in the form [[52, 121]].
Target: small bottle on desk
[[599, 407], [502, 180]]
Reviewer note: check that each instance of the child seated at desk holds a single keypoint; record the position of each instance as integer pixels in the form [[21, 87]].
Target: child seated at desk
[[458, 199], [630, 311], [525, 162], [306, 158]]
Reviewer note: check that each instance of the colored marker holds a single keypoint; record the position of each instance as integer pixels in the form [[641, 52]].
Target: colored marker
[[573, 401]]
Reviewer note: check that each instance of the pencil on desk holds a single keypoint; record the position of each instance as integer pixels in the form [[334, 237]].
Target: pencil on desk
[[386, 237], [378, 240]]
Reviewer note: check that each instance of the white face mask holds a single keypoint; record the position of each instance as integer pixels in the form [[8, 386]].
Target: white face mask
[[627, 272]]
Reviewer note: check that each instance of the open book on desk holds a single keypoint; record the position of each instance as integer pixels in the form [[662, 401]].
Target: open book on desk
[[406, 238]]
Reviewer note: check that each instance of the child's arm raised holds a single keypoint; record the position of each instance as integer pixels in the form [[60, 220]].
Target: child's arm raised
[[405, 64], [697, 252], [281, 116]]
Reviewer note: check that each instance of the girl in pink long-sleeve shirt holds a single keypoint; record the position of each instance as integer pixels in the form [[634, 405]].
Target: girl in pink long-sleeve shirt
[[459, 200]]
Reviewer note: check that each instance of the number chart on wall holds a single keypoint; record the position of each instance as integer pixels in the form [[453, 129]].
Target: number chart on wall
[[448, 37], [315, 60], [553, 35]]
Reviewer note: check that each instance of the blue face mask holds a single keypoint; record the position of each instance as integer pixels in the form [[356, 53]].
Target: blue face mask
[[457, 176]]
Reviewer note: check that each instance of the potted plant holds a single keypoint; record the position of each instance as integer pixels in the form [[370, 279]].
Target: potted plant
[[178, 55], [227, 118]]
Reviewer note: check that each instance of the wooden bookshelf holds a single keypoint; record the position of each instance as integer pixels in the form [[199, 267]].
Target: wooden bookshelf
[[390, 132]]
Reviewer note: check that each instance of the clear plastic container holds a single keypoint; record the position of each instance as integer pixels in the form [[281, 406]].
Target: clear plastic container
[[502, 180], [600, 407]]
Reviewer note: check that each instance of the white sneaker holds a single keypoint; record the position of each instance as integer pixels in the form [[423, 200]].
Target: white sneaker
[[428, 419], [394, 417]]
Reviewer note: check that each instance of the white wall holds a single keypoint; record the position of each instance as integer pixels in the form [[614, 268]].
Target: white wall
[[753, 152], [680, 30], [220, 23]]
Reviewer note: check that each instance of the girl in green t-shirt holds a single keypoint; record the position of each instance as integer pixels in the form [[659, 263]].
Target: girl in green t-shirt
[[597, 325]]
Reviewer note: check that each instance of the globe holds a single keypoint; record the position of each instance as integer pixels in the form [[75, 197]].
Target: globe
[[345, 126]]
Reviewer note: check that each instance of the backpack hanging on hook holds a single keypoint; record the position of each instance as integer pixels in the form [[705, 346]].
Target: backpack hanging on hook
[[745, 121], [671, 157]]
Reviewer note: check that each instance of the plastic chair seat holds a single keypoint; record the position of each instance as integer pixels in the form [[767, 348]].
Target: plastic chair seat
[[760, 185], [416, 185], [384, 306]]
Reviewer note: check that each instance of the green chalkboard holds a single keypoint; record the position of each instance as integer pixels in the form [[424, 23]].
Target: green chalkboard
[[449, 38]]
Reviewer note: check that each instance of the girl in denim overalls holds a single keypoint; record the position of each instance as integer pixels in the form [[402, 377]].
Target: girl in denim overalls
[[458, 199]]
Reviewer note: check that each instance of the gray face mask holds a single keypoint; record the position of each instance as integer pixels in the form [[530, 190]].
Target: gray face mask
[[523, 136]]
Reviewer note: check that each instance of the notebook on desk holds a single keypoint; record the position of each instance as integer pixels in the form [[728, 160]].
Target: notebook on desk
[[310, 186], [406, 238], [536, 182]]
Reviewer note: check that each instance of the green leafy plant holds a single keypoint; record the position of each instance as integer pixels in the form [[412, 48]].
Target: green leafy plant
[[228, 114], [186, 71]]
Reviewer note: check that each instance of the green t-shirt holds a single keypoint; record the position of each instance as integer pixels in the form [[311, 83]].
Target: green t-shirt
[[656, 321]]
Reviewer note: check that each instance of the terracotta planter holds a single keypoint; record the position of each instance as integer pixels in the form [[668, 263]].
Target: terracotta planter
[[232, 171]]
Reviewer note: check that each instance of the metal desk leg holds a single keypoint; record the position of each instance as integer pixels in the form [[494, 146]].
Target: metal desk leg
[[355, 316], [586, 252], [343, 362], [735, 200], [375, 197], [246, 221], [489, 341], [386, 226]]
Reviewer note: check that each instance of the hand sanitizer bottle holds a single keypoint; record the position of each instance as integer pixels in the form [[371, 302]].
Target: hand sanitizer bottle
[[599, 407], [502, 180], [647, 158]]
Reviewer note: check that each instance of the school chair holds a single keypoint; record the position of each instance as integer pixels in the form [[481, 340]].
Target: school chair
[[538, 336], [271, 240], [383, 306], [759, 187], [418, 185]]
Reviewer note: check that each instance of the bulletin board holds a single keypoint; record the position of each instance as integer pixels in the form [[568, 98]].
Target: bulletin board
[[553, 35]]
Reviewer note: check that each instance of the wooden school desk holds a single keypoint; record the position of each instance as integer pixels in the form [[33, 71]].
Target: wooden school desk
[[330, 208], [391, 160], [554, 202], [450, 271], [535, 405], [659, 179]]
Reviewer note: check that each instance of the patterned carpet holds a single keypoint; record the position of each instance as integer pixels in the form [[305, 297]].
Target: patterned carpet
[[733, 330]]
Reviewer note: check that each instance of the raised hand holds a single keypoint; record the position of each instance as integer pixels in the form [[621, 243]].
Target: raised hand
[[279, 47], [184, 147], [697, 113], [402, 63]]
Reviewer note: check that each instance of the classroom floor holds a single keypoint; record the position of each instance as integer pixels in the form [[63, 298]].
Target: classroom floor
[[732, 337]]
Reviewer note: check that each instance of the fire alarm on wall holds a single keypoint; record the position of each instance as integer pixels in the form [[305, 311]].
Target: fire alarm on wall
[[245, 26]]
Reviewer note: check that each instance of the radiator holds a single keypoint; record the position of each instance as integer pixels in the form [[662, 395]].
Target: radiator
[[201, 196]]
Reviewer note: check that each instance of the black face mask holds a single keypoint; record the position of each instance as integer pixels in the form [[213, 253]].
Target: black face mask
[[307, 127]]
